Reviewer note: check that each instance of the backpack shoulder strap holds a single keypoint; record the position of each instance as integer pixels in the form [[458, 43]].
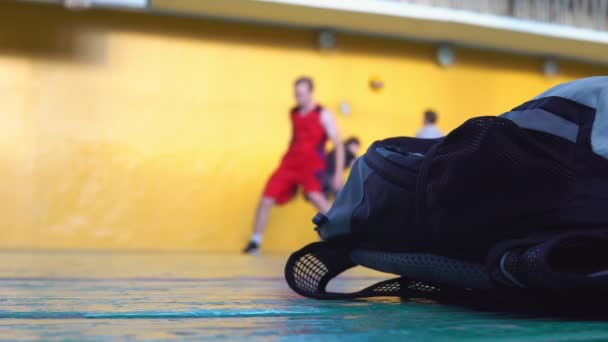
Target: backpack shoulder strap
[[309, 270]]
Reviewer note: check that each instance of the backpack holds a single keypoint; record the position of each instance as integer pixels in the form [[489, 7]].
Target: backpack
[[512, 206]]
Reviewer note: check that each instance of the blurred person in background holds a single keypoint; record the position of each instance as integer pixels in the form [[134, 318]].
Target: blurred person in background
[[303, 165], [429, 128], [351, 150]]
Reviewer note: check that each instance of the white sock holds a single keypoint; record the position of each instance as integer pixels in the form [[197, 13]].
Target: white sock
[[257, 238]]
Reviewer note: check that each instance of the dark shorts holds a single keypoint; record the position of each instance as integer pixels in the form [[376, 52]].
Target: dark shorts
[[328, 189]]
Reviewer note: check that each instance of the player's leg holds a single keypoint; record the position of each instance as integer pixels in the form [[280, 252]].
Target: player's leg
[[261, 214], [318, 199], [313, 187], [279, 190], [259, 225]]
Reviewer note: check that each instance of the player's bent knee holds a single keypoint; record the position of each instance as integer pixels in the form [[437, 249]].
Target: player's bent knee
[[267, 201]]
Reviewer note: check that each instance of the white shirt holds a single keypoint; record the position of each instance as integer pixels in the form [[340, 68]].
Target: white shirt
[[429, 132]]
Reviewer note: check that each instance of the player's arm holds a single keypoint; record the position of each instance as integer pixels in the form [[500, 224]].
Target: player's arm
[[331, 129]]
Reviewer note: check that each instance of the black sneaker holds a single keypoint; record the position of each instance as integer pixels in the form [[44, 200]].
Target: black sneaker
[[252, 248]]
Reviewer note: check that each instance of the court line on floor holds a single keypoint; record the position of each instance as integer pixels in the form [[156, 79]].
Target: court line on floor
[[160, 279], [153, 315]]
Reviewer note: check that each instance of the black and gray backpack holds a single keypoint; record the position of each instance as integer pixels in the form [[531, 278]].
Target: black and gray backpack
[[511, 204]]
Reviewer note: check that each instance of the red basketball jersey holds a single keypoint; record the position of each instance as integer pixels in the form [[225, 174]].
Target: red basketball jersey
[[307, 148]]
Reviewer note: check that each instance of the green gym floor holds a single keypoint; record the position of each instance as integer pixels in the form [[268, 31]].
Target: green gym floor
[[90, 296]]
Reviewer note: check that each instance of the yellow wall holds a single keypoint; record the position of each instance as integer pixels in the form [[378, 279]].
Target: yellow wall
[[130, 131]]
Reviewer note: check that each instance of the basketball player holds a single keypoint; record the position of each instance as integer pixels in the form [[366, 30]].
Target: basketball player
[[303, 165]]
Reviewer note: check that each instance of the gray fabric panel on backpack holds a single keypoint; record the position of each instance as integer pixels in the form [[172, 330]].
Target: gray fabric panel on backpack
[[388, 153], [543, 121], [339, 216], [425, 267], [405, 160], [592, 92]]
